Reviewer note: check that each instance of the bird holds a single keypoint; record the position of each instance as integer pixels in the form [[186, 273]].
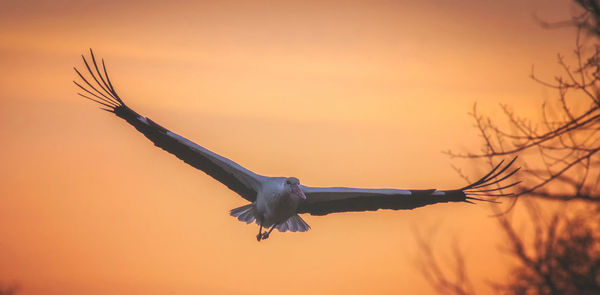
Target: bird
[[277, 202]]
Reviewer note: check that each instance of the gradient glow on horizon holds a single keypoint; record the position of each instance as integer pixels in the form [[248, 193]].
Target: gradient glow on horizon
[[336, 93]]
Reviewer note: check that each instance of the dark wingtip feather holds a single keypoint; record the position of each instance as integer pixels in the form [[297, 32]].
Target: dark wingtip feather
[[494, 177], [102, 91], [480, 199], [497, 188], [108, 110], [484, 178], [94, 100]]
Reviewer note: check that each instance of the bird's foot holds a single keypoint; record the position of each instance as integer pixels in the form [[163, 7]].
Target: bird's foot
[[259, 237], [265, 235]]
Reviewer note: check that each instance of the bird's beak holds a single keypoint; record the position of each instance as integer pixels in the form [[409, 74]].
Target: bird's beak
[[298, 191]]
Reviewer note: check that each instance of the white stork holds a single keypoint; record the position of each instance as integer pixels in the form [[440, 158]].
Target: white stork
[[275, 202]]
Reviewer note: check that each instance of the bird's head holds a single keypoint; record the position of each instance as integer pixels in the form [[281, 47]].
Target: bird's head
[[294, 184]]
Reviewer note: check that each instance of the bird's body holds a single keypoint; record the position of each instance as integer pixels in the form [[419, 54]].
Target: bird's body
[[275, 202]]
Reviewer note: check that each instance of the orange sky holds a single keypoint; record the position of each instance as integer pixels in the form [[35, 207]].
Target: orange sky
[[354, 93]]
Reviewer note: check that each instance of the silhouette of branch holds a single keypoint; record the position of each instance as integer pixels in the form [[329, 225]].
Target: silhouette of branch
[[433, 273], [562, 258], [564, 143], [590, 21], [11, 289]]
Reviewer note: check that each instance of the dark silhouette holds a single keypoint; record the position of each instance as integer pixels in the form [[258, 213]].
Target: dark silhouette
[[11, 289], [562, 256], [590, 19], [275, 202], [458, 283], [562, 150]]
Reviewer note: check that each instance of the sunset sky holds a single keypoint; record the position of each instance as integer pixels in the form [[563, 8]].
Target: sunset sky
[[336, 93]]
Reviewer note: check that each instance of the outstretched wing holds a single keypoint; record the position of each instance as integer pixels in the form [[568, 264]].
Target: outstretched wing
[[326, 200], [237, 178]]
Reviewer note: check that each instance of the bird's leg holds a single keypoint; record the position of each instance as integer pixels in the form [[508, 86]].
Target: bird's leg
[[260, 233], [266, 234]]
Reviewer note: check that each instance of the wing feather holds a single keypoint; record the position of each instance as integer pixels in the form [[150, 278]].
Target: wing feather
[[237, 178], [326, 200]]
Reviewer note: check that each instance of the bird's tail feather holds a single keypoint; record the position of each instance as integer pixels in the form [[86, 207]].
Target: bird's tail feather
[[294, 224], [246, 213]]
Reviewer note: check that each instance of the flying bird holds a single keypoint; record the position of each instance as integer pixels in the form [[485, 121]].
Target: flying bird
[[276, 202]]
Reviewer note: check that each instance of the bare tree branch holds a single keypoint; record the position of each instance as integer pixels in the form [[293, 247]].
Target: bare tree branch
[[431, 269], [566, 141]]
